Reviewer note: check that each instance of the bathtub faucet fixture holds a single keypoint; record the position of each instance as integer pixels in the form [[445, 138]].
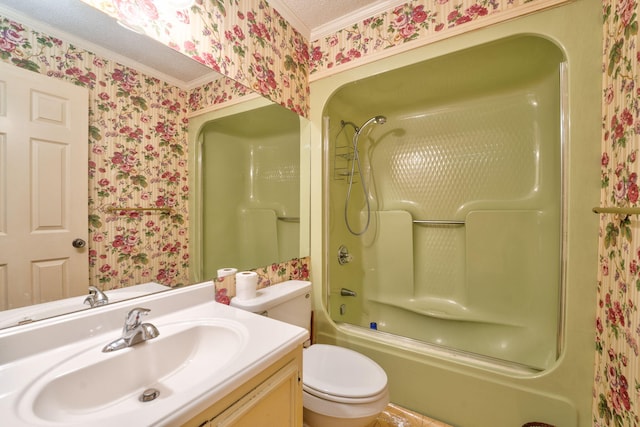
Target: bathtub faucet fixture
[[344, 257]]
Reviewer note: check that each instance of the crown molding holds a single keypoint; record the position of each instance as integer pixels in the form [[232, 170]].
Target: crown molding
[[291, 17], [312, 34], [353, 18]]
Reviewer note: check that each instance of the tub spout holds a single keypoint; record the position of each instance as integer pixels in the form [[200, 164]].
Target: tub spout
[[347, 292]]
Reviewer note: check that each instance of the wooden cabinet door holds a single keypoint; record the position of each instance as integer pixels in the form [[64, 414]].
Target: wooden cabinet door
[[275, 402]]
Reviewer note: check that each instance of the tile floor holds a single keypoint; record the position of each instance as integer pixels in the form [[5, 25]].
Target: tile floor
[[397, 416]]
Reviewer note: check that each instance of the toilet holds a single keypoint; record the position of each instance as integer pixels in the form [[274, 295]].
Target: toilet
[[340, 387]]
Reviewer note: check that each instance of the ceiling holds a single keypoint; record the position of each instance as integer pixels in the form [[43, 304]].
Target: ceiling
[[88, 28]]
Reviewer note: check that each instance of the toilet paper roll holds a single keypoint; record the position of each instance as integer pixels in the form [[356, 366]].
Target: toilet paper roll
[[223, 272], [246, 285]]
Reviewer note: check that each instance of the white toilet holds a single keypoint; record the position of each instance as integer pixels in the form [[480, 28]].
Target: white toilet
[[341, 387]]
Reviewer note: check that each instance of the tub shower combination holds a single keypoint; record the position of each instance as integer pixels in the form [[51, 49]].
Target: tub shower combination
[[444, 205]]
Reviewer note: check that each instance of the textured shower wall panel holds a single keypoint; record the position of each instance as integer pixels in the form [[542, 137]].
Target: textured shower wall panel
[[274, 171], [482, 148], [444, 162], [439, 269], [491, 152]]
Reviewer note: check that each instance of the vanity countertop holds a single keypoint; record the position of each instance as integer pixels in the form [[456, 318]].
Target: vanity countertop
[[53, 372]]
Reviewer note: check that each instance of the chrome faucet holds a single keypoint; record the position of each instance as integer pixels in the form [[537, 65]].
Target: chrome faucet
[[344, 257], [134, 331], [96, 297]]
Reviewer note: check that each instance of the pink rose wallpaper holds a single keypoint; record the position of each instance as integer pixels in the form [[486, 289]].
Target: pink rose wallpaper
[[616, 398], [247, 41], [413, 23], [137, 158], [138, 142]]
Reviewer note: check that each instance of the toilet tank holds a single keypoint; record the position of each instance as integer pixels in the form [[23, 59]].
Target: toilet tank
[[288, 302]]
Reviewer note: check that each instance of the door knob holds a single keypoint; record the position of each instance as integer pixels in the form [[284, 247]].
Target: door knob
[[78, 243]]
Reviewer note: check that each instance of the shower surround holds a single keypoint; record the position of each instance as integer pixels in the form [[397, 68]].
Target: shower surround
[[473, 269], [463, 184]]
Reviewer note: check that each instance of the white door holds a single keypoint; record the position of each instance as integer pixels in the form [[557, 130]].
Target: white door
[[43, 188]]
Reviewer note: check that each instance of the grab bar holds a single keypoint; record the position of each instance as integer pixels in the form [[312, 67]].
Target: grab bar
[[289, 218], [623, 211], [112, 209], [438, 222]]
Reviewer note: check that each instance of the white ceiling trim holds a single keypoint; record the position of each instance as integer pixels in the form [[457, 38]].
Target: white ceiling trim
[[348, 19], [352, 18], [286, 12]]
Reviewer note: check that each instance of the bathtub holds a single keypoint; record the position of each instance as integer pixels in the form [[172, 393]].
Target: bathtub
[[460, 342]]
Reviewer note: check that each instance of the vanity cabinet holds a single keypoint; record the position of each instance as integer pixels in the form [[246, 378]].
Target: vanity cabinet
[[271, 398]]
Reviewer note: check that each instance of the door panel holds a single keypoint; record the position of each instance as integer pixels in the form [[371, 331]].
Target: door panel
[[43, 188]]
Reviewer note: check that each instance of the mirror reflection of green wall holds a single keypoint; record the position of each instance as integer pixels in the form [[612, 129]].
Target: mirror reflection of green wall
[[250, 189]]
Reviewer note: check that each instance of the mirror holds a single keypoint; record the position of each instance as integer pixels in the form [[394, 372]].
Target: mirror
[[250, 189], [87, 26], [122, 168], [247, 163]]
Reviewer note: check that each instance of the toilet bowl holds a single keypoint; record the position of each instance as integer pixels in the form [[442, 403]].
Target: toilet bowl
[[340, 387]]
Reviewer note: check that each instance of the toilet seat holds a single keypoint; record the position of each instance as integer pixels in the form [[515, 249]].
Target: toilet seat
[[342, 375]]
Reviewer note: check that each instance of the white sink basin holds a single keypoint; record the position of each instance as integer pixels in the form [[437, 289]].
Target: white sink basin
[[53, 372], [93, 385]]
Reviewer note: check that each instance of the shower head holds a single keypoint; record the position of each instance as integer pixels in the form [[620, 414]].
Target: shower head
[[380, 120]]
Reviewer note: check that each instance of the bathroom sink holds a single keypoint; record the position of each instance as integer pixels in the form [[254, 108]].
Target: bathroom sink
[[53, 373], [92, 385]]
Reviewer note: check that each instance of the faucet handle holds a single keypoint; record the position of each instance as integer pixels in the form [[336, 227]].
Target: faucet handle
[[133, 318]]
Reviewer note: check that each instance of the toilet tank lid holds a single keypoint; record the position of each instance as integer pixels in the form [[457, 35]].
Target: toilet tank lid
[[272, 295]]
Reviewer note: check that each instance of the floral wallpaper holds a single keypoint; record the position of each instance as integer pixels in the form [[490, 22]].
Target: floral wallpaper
[[294, 269], [137, 140], [246, 40], [249, 42], [415, 22], [221, 91], [617, 376], [137, 158]]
